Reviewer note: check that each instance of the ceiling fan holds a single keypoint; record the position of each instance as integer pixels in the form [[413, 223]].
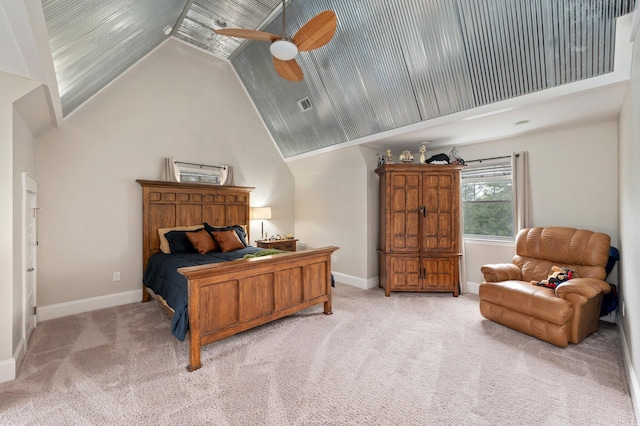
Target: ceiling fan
[[314, 34]]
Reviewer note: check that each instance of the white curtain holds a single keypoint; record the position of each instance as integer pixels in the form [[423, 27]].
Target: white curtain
[[171, 172], [226, 175], [462, 267], [521, 191]]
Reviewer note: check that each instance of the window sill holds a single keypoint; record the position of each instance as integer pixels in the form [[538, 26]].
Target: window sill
[[488, 241]]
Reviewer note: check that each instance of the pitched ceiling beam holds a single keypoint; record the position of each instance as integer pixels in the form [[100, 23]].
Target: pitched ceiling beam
[[178, 24]]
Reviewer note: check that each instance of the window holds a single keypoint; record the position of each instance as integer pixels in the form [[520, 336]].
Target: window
[[487, 201], [202, 174], [191, 172]]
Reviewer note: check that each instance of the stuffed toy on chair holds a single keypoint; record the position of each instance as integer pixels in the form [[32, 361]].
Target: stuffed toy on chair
[[558, 276]]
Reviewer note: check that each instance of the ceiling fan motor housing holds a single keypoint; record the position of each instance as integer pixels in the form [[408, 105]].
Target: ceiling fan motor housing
[[284, 49]]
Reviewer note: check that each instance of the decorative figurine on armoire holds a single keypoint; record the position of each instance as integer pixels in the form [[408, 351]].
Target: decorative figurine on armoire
[[406, 156], [422, 157], [389, 159]]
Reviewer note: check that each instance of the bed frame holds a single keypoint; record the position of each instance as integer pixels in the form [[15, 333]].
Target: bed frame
[[227, 298]]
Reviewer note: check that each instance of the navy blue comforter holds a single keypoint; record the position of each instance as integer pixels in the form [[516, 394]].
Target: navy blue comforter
[[163, 278]]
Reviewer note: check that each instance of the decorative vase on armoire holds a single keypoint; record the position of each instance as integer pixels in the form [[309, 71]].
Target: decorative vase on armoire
[[419, 239]]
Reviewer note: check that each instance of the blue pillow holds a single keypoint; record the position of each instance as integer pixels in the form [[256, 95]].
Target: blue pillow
[[179, 243], [238, 228]]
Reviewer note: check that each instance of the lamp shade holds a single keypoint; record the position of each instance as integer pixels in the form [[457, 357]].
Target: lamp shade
[[261, 213]]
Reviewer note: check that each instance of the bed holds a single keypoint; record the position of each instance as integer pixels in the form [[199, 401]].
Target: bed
[[231, 295]]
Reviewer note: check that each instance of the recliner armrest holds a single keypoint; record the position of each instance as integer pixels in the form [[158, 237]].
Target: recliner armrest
[[495, 273], [587, 287]]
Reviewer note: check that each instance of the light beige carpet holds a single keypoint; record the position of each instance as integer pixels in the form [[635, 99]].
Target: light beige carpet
[[411, 359]]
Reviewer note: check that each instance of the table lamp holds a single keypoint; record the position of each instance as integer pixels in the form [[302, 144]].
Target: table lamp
[[261, 213]]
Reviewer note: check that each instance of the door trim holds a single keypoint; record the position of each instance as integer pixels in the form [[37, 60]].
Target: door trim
[[29, 186]]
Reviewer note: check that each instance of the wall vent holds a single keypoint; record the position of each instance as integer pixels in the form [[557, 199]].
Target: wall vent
[[305, 104]]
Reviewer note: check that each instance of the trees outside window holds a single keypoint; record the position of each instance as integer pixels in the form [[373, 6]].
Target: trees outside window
[[487, 200]]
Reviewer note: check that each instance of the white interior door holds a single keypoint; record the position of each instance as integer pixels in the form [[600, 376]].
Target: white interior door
[[30, 247]]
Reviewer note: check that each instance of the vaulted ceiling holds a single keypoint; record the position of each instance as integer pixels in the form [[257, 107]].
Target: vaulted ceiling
[[391, 63]]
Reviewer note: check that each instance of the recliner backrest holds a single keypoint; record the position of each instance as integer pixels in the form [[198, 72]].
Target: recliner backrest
[[538, 249]]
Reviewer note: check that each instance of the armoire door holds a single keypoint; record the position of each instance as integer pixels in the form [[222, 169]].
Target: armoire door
[[440, 274], [404, 272], [440, 216], [404, 219]]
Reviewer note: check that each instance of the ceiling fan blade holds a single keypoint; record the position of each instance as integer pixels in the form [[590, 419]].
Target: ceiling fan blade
[[289, 70], [248, 34], [317, 32]]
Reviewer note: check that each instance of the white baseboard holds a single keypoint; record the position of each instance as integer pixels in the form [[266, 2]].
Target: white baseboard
[[366, 284], [473, 287], [59, 310], [7, 370], [19, 354], [610, 317], [9, 367], [634, 389], [362, 283]]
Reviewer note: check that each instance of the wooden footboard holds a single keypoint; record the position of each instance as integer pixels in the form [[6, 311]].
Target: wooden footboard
[[230, 297], [227, 298]]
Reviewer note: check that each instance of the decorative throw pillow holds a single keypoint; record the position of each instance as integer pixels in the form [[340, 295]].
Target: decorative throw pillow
[[202, 241], [240, 230], [164, 243], [227, 240], [179, 243]]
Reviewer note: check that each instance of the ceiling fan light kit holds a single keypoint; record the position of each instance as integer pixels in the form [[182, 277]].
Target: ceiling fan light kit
[[283, 49], [317, 32]]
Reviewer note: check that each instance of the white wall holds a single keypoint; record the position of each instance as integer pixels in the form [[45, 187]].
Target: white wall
[[24, 43], [11, 60], [370, 157], [332, 207], [11, 89], [178, 102], [629, 208], [478, 253], [6, 221], [23, 162], [573, 174]]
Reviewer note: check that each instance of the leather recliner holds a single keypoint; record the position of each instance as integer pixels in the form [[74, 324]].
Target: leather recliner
[[571, 311]]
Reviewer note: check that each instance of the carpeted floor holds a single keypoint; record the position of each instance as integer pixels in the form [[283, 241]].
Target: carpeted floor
[[411, 359]]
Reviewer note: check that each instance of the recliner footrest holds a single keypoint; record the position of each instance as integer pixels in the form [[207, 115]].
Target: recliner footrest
[[557, 335], [527, 299]]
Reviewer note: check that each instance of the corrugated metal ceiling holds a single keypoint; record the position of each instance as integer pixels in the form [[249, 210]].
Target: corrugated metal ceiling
[[92, 42], [205, 15], [394, 63], [391, 63]]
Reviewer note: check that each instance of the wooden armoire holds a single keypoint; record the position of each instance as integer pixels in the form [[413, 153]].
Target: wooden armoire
[[419, 242]]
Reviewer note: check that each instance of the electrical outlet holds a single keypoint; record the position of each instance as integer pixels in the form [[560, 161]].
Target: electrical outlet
[[334, 258], [116, 276], [624, 311]]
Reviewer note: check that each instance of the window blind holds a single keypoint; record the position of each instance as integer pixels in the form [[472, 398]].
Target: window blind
[[486, 171]]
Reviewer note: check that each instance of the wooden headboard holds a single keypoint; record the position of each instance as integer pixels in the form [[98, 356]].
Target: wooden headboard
[[169, 204]]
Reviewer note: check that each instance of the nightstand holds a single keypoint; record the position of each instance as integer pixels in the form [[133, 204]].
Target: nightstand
[[288, 244]]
